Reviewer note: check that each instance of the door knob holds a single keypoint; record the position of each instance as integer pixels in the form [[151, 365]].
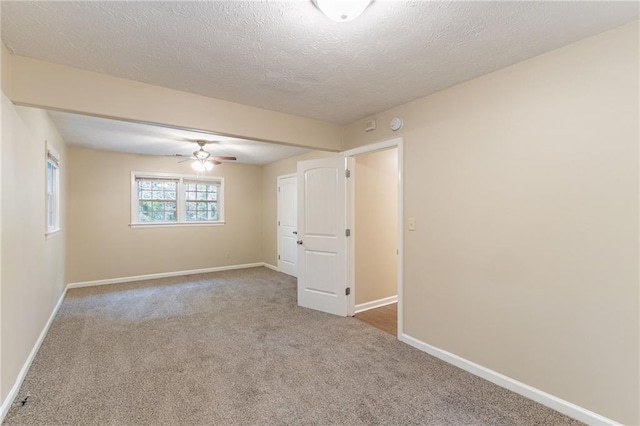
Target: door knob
[[299, 242], [295, 232]]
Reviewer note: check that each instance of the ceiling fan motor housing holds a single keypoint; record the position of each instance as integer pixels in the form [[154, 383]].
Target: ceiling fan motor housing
[[201, 154]]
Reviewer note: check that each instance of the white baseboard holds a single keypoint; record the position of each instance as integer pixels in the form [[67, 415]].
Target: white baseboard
[[270, 266], [13, 393], [162, 275], [376, 303], [564, 407]]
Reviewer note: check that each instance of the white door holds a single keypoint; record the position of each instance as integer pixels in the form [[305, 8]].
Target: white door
[[322, 260], [287, 230]]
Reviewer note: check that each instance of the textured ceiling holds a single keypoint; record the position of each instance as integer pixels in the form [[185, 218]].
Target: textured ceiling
[[286, 56], [139, 138]]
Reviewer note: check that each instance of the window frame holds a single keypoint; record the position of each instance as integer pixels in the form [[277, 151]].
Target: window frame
[[181, 201], [51, 201]]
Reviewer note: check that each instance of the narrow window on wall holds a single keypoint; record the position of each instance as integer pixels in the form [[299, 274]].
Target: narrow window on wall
[[53, 191]]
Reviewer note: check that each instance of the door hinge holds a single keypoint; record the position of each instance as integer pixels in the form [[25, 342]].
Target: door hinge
[[347, 291], [347, 173], [347, 232], [278, 189], [278, 223], [278, 257]]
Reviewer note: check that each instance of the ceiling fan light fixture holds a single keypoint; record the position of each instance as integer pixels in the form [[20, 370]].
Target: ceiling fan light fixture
[[342, 10], [201, 154], [201, 166]]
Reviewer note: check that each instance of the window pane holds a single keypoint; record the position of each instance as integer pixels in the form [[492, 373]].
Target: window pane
[[49, 177], [145, 211], [145, 207], [201, 202], [157, 200], [51, 199], [49, 212]]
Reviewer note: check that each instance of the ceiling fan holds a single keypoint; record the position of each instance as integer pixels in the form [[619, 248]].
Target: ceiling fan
[[203, 161]]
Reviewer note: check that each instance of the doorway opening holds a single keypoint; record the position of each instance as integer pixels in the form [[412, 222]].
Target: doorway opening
[[327, 232], [375, 218]]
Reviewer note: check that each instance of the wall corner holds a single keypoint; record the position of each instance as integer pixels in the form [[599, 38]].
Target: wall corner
[[6, 69]]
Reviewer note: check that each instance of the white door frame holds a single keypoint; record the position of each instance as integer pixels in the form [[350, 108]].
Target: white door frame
[[278, 215], [380, 146]]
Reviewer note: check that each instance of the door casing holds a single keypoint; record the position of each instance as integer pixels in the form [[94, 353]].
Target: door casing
[[380, 146]]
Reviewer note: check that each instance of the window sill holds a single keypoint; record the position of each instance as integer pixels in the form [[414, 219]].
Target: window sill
[[174, 225], [51, 234]]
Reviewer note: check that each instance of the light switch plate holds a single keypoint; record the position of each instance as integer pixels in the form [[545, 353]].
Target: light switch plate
[[412, 224]]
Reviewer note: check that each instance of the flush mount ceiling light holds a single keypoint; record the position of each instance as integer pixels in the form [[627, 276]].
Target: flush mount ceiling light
[[342, 10]]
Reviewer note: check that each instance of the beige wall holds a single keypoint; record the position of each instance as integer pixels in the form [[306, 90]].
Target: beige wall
[[524, 185], [376, 225], [32, 271], [102, 245], [270, 173], [54, 86], [5, 67]]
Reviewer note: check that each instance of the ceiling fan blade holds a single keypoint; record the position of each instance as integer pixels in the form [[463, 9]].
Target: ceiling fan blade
[[224, 158], [192, 158], [215, 162]]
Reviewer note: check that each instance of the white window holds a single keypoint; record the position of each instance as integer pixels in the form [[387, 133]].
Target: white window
[[201, 200], [168, 199], [157, 199], [52, 192]]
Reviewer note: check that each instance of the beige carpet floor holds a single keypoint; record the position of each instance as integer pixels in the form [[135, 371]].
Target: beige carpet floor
[[232, 348]]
